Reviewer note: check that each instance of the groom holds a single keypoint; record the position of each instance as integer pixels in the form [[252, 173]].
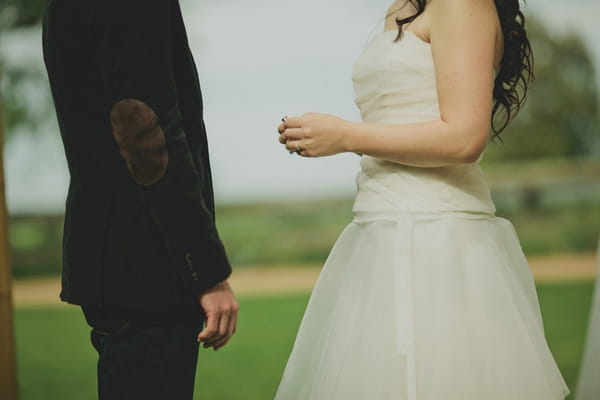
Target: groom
[[141, 252]]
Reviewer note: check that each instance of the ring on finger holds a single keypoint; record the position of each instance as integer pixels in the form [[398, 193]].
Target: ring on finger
[[283, 122]]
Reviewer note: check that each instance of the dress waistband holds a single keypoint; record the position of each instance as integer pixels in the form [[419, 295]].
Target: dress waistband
[[369, 216], [376, 201]]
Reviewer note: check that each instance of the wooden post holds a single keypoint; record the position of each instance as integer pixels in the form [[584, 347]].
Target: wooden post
[[8, 361]]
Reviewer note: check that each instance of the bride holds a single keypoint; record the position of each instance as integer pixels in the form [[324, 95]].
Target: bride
[[426, 295]]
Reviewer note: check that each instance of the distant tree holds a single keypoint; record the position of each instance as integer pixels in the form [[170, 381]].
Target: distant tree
[[561, 116], [20, 13], [13, 13], [26, 99]]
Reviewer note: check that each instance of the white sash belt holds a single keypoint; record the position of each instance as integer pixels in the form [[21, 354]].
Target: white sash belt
[[405, 219], [405, 337]]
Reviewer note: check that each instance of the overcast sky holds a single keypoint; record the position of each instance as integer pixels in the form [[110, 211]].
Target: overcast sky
[[258, 61]]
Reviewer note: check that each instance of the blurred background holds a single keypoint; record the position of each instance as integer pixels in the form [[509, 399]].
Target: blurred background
[[278, 214]]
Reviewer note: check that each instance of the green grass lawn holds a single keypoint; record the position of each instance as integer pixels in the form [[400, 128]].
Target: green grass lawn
[[56, 360]]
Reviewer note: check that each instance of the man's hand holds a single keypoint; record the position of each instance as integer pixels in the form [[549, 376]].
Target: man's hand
[[221, 311]]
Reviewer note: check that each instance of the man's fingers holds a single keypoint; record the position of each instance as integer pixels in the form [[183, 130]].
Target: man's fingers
[[221, 343], [227, 328], [216, 331], [219, 305], [232, 323], [231, 328], [211, 328], [215, 341], [224, 324]]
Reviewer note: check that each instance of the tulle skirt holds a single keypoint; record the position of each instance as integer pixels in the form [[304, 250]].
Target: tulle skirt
[[432, 306]]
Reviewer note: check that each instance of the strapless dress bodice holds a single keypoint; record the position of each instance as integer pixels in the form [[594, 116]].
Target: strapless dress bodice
[[394, 83]]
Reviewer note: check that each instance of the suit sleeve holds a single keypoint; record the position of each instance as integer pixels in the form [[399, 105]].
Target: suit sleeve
[[134, 61]]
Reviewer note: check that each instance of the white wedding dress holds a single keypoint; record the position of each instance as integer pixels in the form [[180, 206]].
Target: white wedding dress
[[588, 385], [426, 295]]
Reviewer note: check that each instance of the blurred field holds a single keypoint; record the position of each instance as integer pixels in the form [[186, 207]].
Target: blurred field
[[304, 232], [56, 362]]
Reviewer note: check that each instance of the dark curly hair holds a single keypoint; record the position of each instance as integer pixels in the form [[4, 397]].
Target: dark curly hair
[[516, 67]]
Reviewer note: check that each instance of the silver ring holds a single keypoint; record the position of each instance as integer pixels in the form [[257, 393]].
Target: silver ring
[[283, 122]]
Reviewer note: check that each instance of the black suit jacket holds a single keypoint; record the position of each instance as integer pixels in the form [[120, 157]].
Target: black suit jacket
[[139, 225]]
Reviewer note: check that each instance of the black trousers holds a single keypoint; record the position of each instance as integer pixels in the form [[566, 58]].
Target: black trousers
[[143, 355]]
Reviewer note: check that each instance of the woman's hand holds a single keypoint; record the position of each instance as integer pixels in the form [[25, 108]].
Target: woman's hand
[[314, 135]]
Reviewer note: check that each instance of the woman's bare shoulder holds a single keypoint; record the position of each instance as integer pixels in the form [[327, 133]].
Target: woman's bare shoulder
[[462, 7]]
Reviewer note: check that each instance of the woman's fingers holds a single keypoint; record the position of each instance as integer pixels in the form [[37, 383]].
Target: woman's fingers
[[313, 135], [291, 134], [294, 133], [293, 122], [281, 128], [289, 122], [294, 145]]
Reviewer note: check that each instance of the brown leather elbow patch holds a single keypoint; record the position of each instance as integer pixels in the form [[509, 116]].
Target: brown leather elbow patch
[[141, 140]]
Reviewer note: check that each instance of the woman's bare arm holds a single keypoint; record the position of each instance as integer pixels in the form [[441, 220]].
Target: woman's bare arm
[[464, 43]]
